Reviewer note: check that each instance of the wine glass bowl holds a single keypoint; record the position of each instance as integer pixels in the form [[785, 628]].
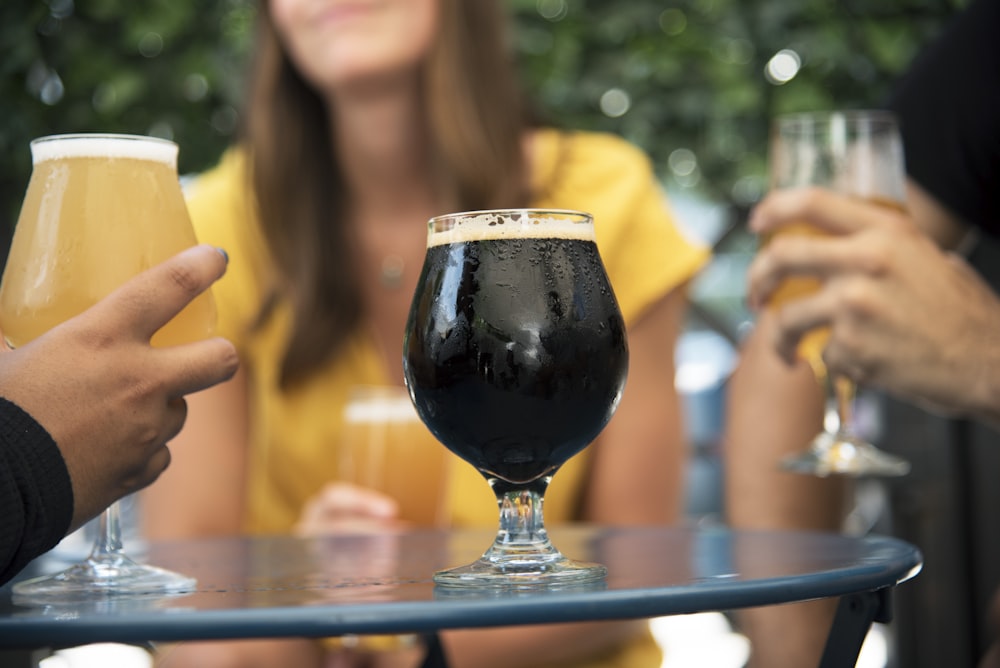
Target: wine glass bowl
[[858, 153], [515, 356], [99, 209]]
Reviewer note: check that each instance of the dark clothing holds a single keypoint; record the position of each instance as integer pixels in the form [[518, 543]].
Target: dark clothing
[[36, 495], [949, 109]]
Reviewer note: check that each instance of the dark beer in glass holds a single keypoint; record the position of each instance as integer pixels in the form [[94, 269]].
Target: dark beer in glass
[[515, 356]]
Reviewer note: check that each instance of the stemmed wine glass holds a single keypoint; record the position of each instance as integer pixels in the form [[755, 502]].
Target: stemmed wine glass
[[515, 356], [99, 209], [858, 153]]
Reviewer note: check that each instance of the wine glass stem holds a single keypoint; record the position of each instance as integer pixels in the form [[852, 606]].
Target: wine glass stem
[[109, 539], [522, 528], [842, 392]]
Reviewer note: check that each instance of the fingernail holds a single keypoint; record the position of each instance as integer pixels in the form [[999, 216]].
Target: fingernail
[[223, 253]]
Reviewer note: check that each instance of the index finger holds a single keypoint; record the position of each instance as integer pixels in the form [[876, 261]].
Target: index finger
[[149, 300], [832, 212]]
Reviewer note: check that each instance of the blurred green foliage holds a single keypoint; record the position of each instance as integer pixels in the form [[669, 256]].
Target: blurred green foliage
[[684, 79], [691, 73], [170, 68]]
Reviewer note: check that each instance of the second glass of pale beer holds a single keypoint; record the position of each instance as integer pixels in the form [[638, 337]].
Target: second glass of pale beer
[[858, 153], [386, 447], [99, 209]]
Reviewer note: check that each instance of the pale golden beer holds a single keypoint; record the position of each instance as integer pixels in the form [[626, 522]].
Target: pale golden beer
[[98, 210], [813, 342], [811, 345], [386, 447], [857, 153]]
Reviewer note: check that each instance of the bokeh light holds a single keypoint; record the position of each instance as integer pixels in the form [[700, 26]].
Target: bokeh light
[[615, 103], [782, 67]]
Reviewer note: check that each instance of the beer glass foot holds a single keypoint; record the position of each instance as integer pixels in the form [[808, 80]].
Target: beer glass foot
[[101, 576], [842, 454], [522, 556], [523, 574]]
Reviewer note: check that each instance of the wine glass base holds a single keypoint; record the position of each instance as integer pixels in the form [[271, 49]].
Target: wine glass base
[[841, 454], [100, 577], [522, 575]]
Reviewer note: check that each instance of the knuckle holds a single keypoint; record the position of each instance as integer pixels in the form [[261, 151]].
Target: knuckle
[[781, 247], [812, 196], [812, 200], [782, 323], [876, 256], [855, 299], [186, 279], [849, 353], [93, 336], [899, 221]]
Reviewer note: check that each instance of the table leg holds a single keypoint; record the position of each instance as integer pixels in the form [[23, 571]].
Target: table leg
[[855, 614], [435, 657]]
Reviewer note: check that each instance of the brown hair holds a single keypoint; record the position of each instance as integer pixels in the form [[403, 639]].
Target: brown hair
[[475, 119]]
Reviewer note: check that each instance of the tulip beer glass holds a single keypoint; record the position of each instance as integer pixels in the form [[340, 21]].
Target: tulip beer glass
[[98, 210], [515, 356], [858, 153]]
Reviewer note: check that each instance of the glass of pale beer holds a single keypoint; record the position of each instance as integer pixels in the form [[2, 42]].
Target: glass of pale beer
[[515, 355], [99, 209], [386, 447], [858, 153]]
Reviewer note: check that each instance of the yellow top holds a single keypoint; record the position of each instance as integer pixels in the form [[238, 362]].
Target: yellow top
[[294, 434]]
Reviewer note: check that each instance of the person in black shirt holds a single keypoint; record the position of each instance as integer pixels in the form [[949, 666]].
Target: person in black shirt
[[908, 316], [87, 409], [907, 313]]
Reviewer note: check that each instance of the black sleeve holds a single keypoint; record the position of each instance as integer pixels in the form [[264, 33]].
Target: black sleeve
[[949, 109], [36, 495]]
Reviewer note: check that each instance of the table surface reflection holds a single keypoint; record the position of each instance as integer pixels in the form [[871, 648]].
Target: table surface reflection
[[360, 584]]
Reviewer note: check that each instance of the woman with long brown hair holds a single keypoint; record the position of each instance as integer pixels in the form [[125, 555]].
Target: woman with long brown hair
[[364, 119]]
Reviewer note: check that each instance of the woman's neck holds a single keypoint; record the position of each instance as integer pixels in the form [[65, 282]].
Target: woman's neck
[[382, 147]]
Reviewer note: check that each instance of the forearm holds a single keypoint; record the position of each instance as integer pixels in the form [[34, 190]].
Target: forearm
[[773, 411], [637, 469], [35, 491]]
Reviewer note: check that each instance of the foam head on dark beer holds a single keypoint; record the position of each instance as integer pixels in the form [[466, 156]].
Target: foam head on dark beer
[[474, 226]]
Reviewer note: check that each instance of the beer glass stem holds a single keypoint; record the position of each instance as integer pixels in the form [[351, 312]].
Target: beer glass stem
[[109, 538], [837, 449], [522, 528], [522, 556], [840, 390]]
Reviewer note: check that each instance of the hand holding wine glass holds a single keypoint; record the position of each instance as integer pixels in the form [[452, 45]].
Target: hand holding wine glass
[[78, 382], [858, 154], [81, 380], [905, 315], [99, 209]]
